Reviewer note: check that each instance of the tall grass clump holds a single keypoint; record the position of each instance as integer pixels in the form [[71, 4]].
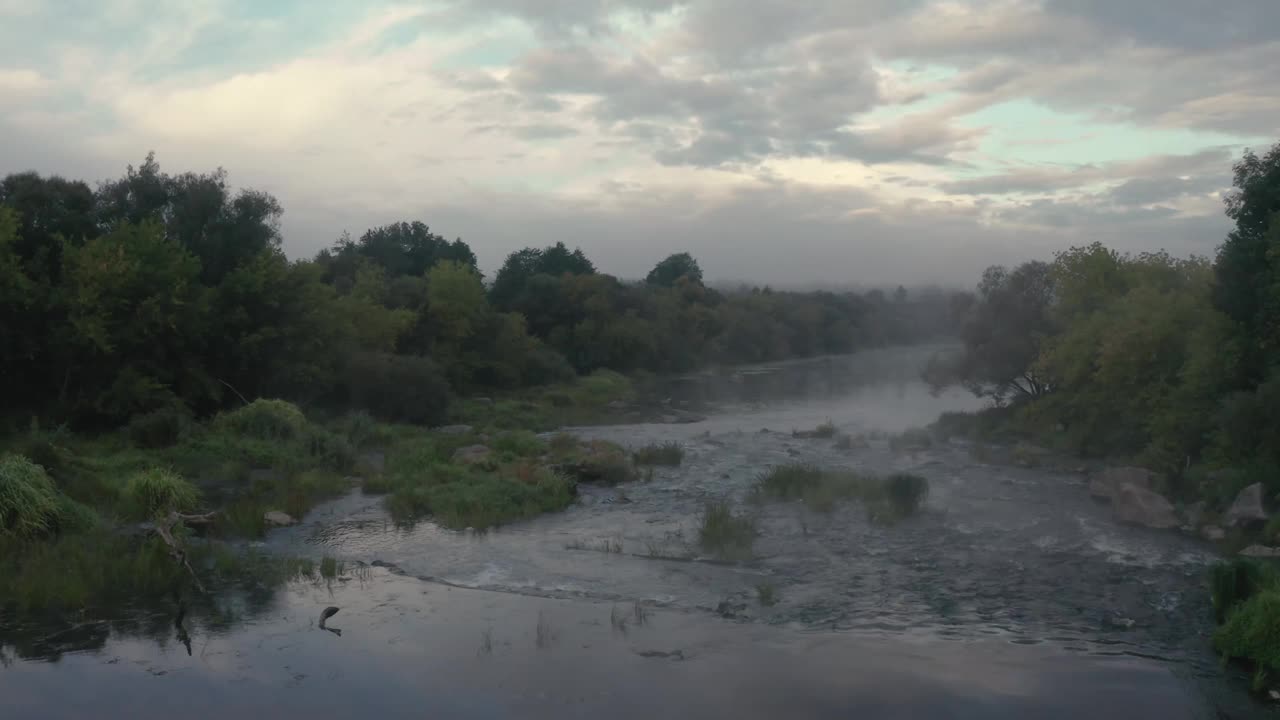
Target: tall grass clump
[[265, 420], [1252, 633], [725, 534], [29, 501], [906, 492], [158, 491], [670, 454], [788, 482]]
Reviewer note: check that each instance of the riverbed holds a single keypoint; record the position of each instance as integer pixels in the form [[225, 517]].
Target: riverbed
[[1011, 594]]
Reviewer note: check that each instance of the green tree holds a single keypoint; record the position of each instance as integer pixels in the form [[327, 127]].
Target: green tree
[[674, 267]]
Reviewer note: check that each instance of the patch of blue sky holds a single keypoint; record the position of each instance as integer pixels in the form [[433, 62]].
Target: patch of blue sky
[[1025, 132]]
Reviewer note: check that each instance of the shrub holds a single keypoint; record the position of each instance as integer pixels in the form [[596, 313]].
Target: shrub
[[1233, 583], [906, 492], [912, 439], [359, 428], [329, 449], [518, 443], [1252, 632], [29, 501], [668, 453], [726, 535], [160, 428], [398, 388], [264, 420], [158, 491]]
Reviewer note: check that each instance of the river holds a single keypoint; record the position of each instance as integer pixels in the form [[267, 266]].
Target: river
[[1011, 594]]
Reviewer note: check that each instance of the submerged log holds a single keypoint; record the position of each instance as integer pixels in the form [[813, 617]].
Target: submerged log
[[164, 528]]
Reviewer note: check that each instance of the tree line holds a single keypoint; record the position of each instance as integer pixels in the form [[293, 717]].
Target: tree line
[[155, 292], [1170, 361]]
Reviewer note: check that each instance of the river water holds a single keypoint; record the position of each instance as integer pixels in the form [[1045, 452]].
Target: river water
[[1010, 595]]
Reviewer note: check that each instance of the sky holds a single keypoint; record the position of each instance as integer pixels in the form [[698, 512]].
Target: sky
[[796, 142]]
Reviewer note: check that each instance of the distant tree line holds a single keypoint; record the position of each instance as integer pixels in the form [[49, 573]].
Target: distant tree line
[[156, 291], [1172, 362]]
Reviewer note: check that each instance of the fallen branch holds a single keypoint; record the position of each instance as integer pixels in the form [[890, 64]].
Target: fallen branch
[[164, 527]]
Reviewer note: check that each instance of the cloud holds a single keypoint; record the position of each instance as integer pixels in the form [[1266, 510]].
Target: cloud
[[857, 140]]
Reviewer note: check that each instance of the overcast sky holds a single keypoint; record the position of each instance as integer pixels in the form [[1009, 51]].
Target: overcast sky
[[787, 141]]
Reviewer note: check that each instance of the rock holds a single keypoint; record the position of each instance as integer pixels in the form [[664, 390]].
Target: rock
[[454, 429], [616, 405], [276, 518], [482, 401], [1137, 505], [1260, 551], [1105, 485], [374, 461], [1247, 508], [472, 455], [1212, 533]]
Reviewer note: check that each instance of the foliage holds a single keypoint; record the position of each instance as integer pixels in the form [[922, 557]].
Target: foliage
[[1234, 582], [158, 491], [906, 492], [29, 502], [397, 388], [674, 268], [725, 534], [264, 420], [160, 428], [668, 453], [1252, 631]]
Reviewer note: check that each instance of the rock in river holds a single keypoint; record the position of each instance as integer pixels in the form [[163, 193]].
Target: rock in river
[[1260, 551], [1247, 507], [1105, 485], [1137, 505], [277, 518]]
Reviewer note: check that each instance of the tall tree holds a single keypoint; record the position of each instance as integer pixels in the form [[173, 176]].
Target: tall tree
[[674, 267]]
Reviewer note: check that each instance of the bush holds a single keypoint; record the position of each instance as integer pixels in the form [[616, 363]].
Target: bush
[[398, 388], [1235, 582], [264, 420], [726, 535], [160, 428], [29, 502], [359, 428], [1252, 632], [157, 491], [329, 449], [518, 443], [668, 453], [906, 492]]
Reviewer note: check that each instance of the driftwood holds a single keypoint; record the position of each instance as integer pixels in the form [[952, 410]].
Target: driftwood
[[164, 528]]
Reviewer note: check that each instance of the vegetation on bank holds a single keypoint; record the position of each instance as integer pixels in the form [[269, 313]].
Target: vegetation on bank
[[886, 499], [1156, 361]]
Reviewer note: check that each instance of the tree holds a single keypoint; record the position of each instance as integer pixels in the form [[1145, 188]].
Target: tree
[[1008, 322], [674, 267], [1248, 265], [522, 266]]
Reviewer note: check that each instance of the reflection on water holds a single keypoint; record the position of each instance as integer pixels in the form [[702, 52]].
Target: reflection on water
[[1011, 595]]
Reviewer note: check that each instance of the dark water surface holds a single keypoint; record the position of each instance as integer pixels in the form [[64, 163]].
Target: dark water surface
[[1010, 595]]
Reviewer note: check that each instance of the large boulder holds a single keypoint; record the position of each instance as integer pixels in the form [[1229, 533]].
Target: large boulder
[[1138, 505], [1105, 484], [276, 518], [1247, 508], [472, 455]]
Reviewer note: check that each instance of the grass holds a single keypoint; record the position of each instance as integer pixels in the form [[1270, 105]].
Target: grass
[[545, 634], [29, 501], [887, 499], [724, 534], [158, 491], [767, 594], [825, 430], [582, 401], [670, 454], [1246, 603]]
